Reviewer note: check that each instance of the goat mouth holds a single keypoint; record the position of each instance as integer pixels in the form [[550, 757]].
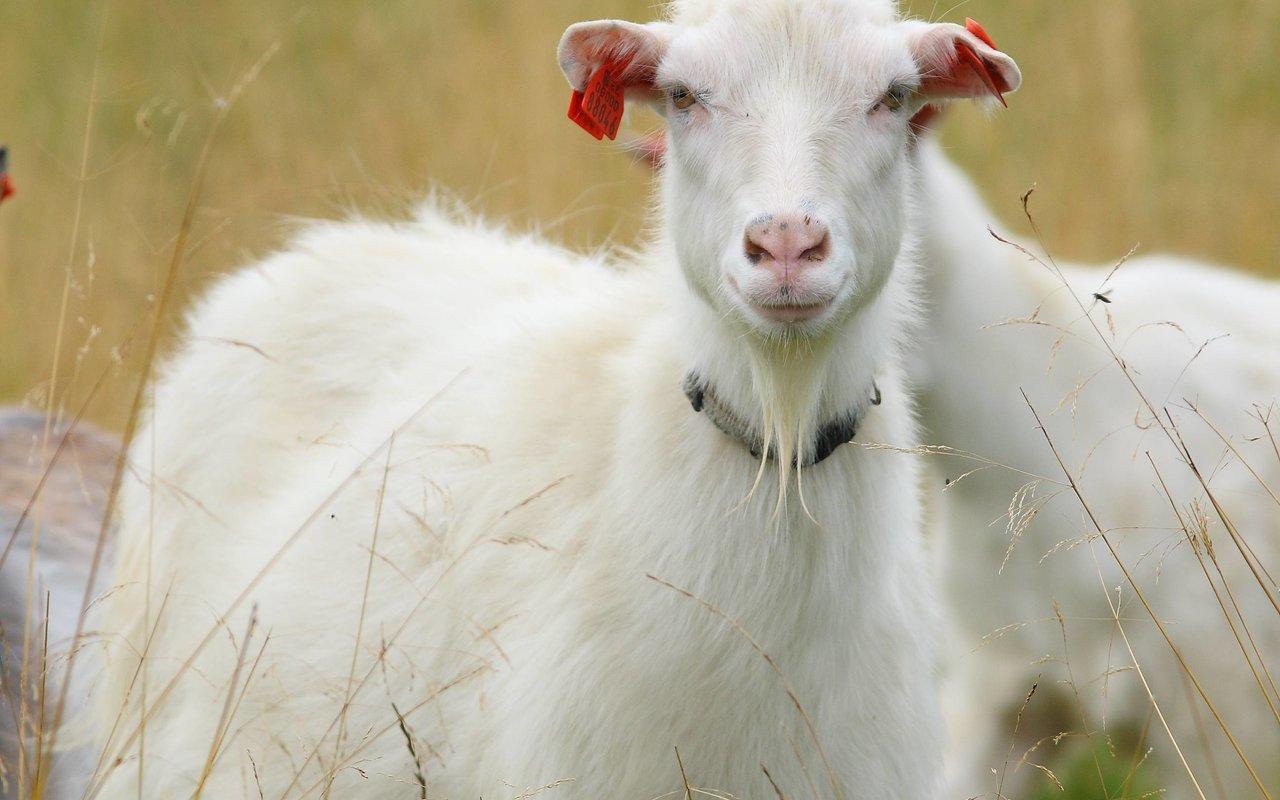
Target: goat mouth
[[785, 305], [791, 312]]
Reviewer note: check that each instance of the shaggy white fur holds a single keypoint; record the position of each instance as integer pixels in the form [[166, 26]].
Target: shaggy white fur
[[426, 500], [972, 370], [980, 349]]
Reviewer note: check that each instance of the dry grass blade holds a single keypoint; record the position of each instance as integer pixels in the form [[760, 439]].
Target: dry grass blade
[[1102, 287], [43, 691], [1260, 573], [804, 768], [684, 777], [60, 333], [1215, 774], [943, 450], [135, 409], [777, 791], [372, 737], [1200, 545], [791, 692], [1226, 440], [229, 706], [1265, 417], [1169, 430], [1023, 509], [422, 601], [139, 670], [47, 471], [131, 424], [364, 604], [418, 774], [1013, 737], [257, 779], [20, 712], [1075, 692], [245, 593], [1088, 509], [1139, 755], [1175, 439]]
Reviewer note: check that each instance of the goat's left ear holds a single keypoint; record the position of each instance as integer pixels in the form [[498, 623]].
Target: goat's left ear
[[606, 63], [958, 62]]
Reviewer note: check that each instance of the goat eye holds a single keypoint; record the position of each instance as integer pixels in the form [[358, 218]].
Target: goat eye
[[894, 99], [682, 98]]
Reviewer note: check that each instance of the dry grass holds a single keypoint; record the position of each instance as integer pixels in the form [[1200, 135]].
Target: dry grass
[[1194, 529]]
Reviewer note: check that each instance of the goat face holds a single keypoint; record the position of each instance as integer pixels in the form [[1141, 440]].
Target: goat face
[[787, 178]]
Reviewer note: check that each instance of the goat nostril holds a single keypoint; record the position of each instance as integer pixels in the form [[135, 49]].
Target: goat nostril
[[784, 242], [755, 253], [819, 251]]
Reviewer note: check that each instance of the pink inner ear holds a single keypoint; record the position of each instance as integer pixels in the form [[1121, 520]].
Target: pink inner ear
[[967, 73]]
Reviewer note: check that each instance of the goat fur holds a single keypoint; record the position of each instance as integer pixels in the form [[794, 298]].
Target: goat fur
[[1191, 334]]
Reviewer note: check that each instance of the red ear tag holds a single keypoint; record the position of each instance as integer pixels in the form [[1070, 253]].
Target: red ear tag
[[7, 189], [979, 68], [974, 27], [598, 108], [976, 63], [579, 116]]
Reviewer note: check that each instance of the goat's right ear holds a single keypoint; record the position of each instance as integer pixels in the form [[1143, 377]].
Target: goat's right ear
[[606, 62], [958, 62]]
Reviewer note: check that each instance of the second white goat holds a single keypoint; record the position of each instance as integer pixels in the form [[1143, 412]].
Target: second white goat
[[1200, 343]]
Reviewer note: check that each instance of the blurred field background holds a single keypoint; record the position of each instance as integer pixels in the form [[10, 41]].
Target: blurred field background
[[1140, 121]]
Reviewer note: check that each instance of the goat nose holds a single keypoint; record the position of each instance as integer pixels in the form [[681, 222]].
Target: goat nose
[[787, 242]]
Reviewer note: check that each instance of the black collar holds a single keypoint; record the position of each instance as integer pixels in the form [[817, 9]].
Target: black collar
[[830, 436]]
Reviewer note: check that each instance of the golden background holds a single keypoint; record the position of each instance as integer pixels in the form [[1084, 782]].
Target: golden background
[[1140, 121]]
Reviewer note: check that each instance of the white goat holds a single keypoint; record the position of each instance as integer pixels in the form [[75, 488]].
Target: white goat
[[427, 502], [972, 371], [977, 356]]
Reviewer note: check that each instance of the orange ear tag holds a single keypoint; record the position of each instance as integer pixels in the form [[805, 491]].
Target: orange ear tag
[[598, 108], [974, 27], [7, 189], [979, 66]]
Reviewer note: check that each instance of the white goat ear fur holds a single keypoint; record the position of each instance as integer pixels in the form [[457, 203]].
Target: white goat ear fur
[[960, 62], [586, 46]]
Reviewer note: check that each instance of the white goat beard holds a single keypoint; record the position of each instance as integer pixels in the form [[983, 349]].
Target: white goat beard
[[788, 374]]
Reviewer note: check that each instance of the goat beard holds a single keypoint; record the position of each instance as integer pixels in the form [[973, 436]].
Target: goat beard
[[788, 377]]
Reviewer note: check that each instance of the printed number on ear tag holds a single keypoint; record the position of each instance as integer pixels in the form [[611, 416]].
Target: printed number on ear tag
[[598, 108]]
